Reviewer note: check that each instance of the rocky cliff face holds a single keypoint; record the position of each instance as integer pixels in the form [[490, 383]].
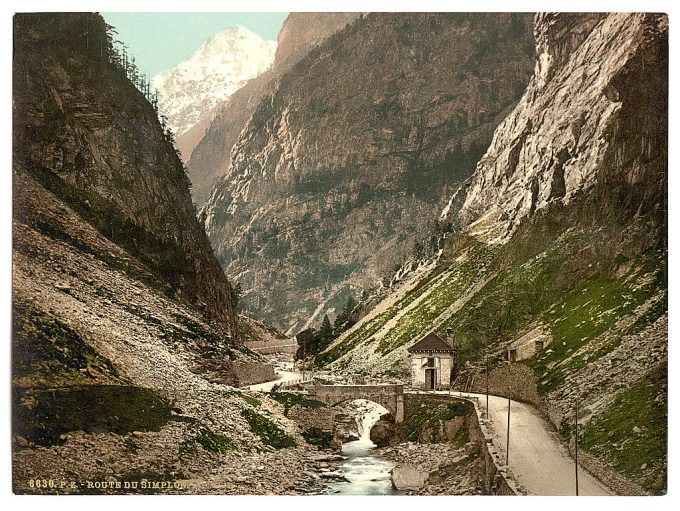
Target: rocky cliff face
[[577, 125], [349, 159], [564, 232], [215, 134], [302, 31], [86, 134], [190, 91]]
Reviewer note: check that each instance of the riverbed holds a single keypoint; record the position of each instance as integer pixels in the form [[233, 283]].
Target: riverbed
[[365, 471]]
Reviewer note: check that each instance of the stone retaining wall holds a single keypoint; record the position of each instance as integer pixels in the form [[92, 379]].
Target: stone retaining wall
[[496, 480], [281, 348], [515, 378], [271, 345], [250, 373]]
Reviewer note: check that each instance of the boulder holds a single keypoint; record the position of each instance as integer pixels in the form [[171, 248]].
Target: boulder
[[21, 441], [381, 433], [407, 477], [452, 426]]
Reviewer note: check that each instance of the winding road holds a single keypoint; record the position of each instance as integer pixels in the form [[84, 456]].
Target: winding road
[[539, 462], [284, 376]]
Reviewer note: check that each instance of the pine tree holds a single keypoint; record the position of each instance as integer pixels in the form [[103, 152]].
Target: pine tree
[[325, 333], [347, 317], [306, 340], [236, 294]]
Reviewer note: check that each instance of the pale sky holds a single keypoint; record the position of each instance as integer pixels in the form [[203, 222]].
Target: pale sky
[[161, 40]]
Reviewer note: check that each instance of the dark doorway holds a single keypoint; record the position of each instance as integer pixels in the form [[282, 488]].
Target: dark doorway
[[429, 379]]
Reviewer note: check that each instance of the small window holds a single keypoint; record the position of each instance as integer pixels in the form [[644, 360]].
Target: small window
[[512, 355], [430, 362], [539, 346]]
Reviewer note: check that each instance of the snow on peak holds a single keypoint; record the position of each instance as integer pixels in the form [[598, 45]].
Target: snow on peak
[[221, 66]]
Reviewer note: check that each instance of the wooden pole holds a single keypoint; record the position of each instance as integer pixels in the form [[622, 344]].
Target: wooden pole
[[507, 440], [487, 380], [576, 438], [304, 355]]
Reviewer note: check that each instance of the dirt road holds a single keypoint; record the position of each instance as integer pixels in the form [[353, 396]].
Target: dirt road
[[539, 462], [284, 376]]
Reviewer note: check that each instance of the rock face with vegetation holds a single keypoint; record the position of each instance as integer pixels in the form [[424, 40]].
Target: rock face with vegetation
[[207, 146], [346, 162], [564, 227], [437, 448], [124, 358]]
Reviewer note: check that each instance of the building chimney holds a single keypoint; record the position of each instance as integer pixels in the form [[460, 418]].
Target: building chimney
[[449, 336]]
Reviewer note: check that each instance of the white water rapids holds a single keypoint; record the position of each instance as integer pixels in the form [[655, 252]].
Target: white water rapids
[[367, 473]]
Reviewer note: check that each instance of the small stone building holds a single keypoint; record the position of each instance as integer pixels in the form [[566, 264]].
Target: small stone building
[[529, 345], [432, 363]]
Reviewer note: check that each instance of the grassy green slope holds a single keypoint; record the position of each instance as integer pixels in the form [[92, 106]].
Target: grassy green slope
[[631, 435], [420, 307], [551, 272]]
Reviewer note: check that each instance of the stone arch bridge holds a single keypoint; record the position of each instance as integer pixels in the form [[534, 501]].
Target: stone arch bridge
[[389, 396]]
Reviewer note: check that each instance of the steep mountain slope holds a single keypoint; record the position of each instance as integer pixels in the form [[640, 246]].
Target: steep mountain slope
[[344, 166], [123, 345], [215, 135], [302, 31], [96, 142], [565, 232], [190, 91]]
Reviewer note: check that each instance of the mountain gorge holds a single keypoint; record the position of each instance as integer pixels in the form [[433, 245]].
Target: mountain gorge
[[347, 162], [498, 179], [563, 240]]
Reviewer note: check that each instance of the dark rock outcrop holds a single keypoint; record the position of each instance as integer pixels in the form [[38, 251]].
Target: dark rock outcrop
[[382, 433]]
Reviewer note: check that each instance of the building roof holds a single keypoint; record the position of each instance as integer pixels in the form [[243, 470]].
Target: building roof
[[431, 342]]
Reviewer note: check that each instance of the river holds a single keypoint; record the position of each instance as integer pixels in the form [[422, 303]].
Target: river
[[367, 473]]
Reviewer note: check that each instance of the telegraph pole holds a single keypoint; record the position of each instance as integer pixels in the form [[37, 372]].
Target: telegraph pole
[[487, 379], [304, 356], [576, 438], [507, 440]]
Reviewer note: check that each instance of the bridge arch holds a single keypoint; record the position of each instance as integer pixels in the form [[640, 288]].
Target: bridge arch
[[391, 397], [375, 401]]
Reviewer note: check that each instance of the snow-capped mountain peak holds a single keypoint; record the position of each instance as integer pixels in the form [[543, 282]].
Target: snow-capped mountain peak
[[221, 66]]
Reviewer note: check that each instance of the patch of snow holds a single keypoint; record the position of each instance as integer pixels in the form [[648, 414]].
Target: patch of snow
[[221, 66]]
